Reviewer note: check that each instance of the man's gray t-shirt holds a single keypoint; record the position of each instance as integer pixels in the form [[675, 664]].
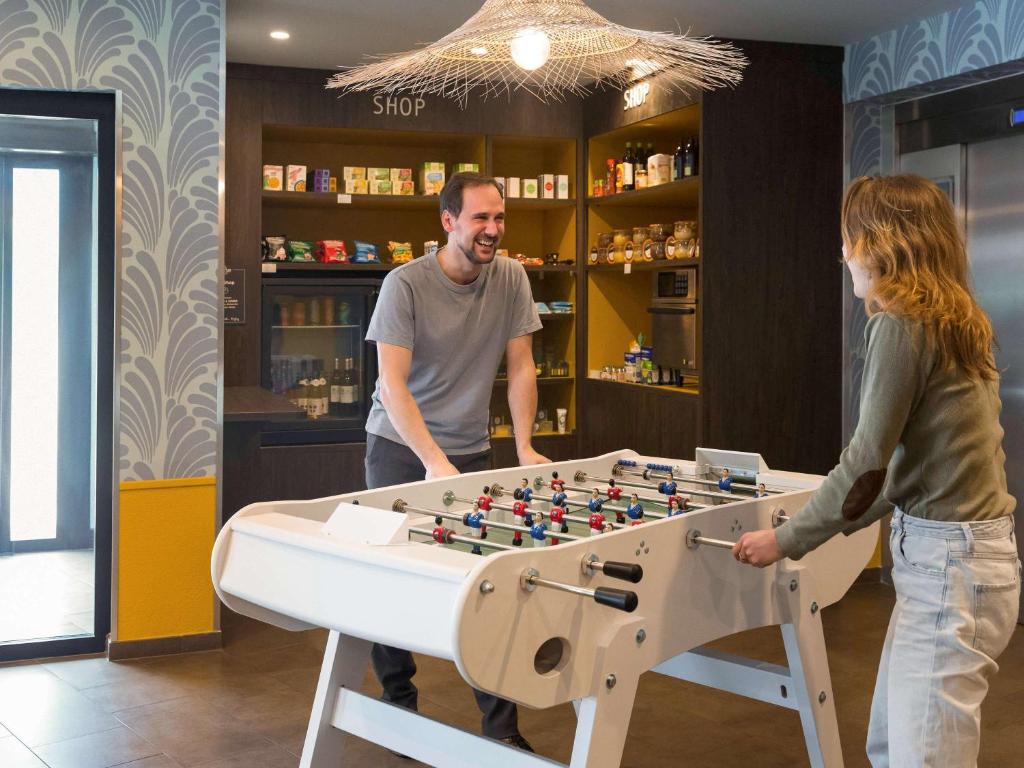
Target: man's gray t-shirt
[[457, 334]]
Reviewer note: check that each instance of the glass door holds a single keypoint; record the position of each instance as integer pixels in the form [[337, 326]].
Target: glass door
[[54, 537], [314, 354]]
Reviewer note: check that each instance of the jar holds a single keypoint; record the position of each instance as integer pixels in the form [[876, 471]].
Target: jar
[[685, 230], [640, 234], [598, 187], [640, 178], [658, 232], [671, 247], [620, 237], [299, 313], [604, 239]]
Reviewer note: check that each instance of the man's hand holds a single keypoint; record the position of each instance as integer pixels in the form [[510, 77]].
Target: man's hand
[[441, 468], [529, 456], [759, 548]]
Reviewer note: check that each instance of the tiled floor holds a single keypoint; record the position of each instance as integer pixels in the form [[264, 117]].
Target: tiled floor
[[46, 594], [247, 706]]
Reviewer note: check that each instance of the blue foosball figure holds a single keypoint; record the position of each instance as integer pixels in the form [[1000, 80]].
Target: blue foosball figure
[[725, 483]]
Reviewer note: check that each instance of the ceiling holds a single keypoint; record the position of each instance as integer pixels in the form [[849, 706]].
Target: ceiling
[[329, 33]]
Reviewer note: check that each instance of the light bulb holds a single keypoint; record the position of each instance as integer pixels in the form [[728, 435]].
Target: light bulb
[[279, 34], [531, 48]]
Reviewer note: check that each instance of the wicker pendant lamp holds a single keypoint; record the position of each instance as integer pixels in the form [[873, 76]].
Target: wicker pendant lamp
[[548, 48]]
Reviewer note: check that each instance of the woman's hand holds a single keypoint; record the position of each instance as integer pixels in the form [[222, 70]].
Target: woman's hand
[[759, 548]]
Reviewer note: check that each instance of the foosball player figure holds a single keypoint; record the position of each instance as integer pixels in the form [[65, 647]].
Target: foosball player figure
[[443, 535], [596, 502], [519, 510], [557, 483], [673, 507], [538, 529], [614, 491], [558, 498], [667, 487], [557, 515], [524, 492], [596, 522], [485, 500], [634, 510], [475, 522], [725, 483], [760, 493]]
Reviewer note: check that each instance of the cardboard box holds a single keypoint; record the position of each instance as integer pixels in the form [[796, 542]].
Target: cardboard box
[[562, 186], [512, 186], [317, 180], [401, 174], [403, 187], [659, 170], [273, 177], [295, 178], [432, 178], [546, 186], [529, 188], [332, 184], [351, 173], [356, 186], [378, 174], [469, 167], [380, 186]]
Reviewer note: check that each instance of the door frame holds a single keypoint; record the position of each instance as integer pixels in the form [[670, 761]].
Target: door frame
[[105, 108]]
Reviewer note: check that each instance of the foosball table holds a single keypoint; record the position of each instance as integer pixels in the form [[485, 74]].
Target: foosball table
[[545, 584]]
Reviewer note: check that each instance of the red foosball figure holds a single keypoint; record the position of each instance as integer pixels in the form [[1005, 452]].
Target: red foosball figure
[[614, 492], [443, 535], [485, 500], [557, 484], [557, 515], [596, 523], [519, 510]]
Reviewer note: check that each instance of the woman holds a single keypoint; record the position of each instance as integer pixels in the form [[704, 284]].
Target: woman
[[929, 441]]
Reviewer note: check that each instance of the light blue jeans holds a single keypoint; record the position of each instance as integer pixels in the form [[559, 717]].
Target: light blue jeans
[[957, 598]]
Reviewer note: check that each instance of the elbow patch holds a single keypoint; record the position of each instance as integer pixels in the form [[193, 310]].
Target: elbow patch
[[863, 493]]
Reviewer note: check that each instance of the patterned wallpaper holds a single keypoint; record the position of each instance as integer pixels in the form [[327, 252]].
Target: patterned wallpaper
[[978, 35], [165, 58]]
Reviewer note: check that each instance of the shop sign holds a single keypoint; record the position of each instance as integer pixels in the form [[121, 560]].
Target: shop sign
[[234, 296], [636, 95], [406, 106]]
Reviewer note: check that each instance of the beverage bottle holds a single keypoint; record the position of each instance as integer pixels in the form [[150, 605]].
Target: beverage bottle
[[677, 162], [689, 159], [618, 177], [323, 391], [336, 384], [609, 177], [628, 160], [349, 389]]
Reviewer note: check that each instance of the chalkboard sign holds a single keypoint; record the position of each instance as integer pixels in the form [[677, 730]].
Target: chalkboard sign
[[234, 297]]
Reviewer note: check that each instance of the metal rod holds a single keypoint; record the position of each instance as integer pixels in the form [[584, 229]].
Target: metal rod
[[537, 581], [685, 491], [715, 542], [489, 523], [462, 539]]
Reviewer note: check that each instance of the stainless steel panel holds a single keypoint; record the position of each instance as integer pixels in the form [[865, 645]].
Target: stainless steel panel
[[995, 241], [674, 335]]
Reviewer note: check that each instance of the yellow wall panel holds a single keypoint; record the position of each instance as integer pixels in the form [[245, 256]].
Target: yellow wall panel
[[165, 535]]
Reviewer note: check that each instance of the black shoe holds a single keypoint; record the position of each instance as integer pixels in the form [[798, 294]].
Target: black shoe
[[516, 740], [517, 542]]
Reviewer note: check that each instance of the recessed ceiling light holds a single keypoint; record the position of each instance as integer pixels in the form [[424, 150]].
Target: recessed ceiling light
[[280, 34], [478, 50]]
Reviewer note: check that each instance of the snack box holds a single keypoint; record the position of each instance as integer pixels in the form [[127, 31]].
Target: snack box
[[562, 186], [432, 178], [356, 186], [512, 186], [401, 174], [332, 184], [273, 177], [529, 188], [546, 186], [380, 187], [468, 167], [403, 187], [351, 173], [295, 176], [378, 174], [318, 180]]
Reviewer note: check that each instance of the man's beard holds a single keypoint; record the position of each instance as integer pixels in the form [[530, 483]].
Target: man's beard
[[471, 256]]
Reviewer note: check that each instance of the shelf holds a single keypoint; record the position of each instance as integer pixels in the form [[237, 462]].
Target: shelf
[[542, 380], [688, 390], [684, 192], [330, 200], [537, 204], [276, 267], [644, 266], [552, 315]]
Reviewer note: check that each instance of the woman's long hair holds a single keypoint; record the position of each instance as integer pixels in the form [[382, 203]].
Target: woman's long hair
[[903, 229]]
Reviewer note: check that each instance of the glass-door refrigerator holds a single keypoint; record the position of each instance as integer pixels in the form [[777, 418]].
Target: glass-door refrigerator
[[315, 354]]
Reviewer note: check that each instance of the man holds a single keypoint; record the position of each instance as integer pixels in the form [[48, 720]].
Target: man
[[441, 325]]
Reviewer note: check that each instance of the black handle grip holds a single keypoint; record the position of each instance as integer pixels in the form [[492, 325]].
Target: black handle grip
[[625, 571], [622, 599]]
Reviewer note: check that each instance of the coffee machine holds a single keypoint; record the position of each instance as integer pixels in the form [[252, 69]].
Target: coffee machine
[[674, 320]]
